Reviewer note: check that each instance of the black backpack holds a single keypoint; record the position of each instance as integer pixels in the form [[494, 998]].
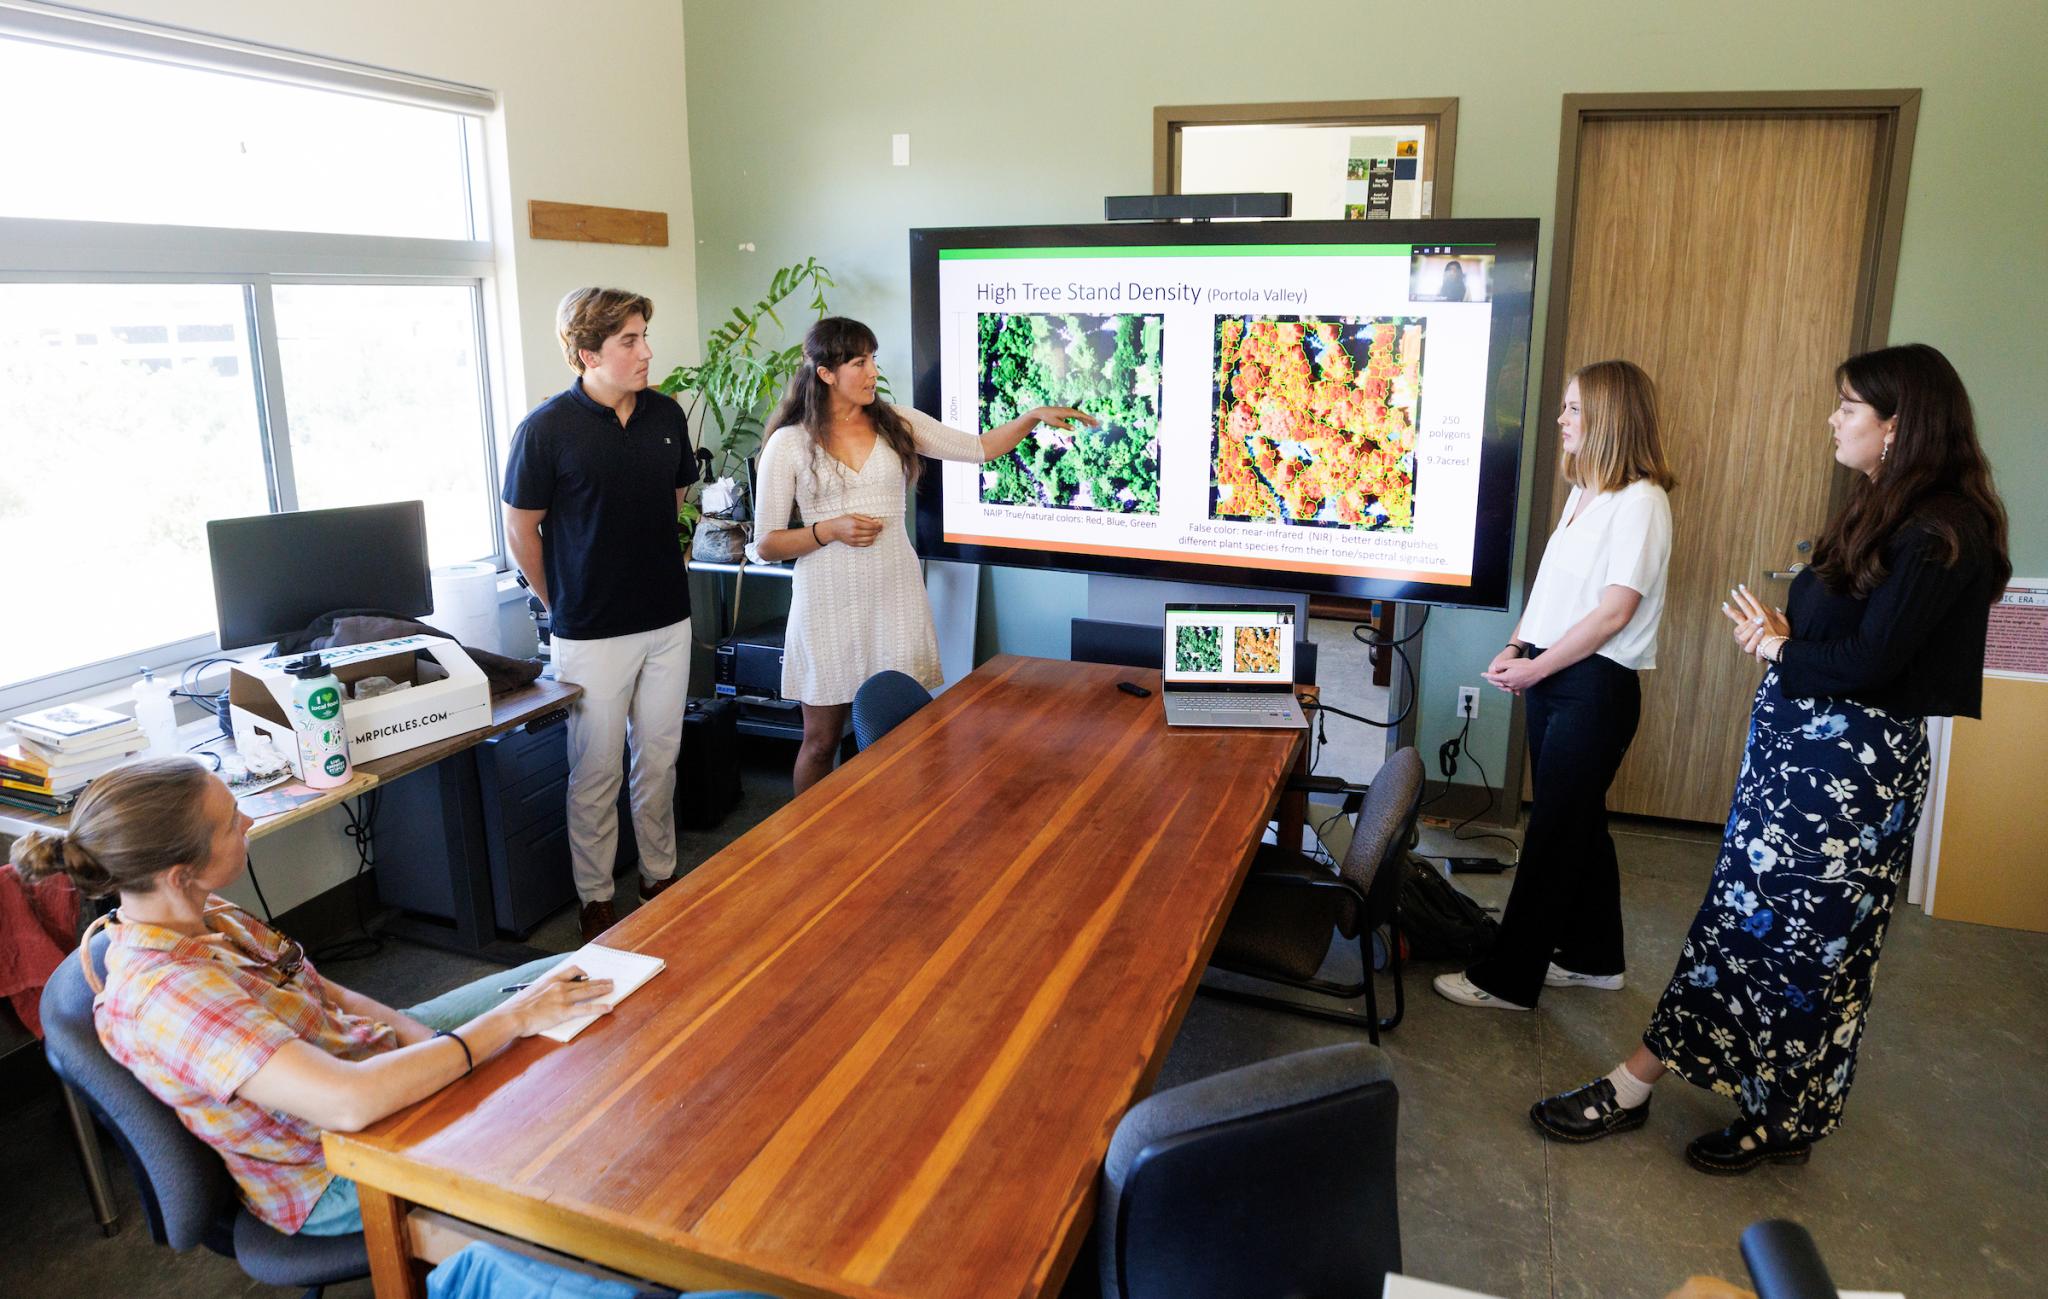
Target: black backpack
[[1439, 922]]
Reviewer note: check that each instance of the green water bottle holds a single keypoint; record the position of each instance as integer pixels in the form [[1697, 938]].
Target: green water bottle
[[318, 725]]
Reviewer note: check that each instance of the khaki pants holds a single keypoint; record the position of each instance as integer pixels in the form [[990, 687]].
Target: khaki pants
[[635, 689]]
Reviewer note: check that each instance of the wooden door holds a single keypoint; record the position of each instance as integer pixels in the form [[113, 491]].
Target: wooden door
[[1726, 257]]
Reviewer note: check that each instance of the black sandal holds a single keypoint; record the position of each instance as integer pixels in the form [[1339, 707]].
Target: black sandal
[[1563, 1117], [1723, 1154]]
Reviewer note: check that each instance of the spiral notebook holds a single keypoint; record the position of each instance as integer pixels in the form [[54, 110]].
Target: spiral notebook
[[626, 970]]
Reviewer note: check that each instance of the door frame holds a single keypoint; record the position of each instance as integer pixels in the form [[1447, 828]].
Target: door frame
[[1897, 114], [1439, 115]]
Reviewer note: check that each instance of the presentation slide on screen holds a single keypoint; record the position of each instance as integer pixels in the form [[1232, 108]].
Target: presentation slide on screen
[[1312, 407], [1229, 645]]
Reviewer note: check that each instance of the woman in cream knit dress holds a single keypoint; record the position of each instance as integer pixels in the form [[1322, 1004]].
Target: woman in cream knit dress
[[845, 460]]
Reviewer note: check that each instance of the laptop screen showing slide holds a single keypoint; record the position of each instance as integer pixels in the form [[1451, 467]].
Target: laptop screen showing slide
[[1230, 658]]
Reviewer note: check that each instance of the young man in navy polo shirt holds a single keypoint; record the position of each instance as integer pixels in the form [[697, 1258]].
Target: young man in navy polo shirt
[[591, 491]]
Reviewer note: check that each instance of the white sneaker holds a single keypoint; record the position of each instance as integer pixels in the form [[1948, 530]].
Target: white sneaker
[[1559, 977], [1458, 988]]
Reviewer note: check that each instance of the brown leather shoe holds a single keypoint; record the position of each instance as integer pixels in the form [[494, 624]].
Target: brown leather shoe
[[651, 889], [598, 917]]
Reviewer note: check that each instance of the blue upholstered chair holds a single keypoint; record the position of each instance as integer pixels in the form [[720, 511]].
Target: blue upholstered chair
[[1271, 1180], [881, 703], [186, 1191]]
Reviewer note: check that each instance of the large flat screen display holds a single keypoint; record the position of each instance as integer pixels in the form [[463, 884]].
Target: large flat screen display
[[1321, 406]]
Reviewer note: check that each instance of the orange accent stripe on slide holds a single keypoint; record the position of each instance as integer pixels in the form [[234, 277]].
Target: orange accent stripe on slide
[[1228, 561]]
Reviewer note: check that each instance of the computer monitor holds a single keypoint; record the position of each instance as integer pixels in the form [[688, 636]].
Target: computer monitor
[[275, 573]]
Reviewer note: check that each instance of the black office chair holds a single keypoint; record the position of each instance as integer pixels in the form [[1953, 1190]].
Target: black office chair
[[883, 701], [1281, 928], [1275, 1179], [1136, 645], [1784, 1263], [186, 1191]]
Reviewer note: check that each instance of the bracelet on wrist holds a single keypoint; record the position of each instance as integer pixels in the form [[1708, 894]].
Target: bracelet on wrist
[[815, 537], [468, 1060]]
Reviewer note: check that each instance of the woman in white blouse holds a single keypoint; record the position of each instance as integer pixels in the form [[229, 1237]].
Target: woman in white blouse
[[845, 460], [1589, 626]]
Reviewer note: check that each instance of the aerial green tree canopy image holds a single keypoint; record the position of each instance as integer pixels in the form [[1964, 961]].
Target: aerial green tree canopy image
[[1107, 366], [1198, 649]]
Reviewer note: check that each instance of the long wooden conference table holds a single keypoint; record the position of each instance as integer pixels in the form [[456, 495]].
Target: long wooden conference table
[[900, 1020]]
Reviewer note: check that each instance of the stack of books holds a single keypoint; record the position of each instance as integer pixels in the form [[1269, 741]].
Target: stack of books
[[59, 752]]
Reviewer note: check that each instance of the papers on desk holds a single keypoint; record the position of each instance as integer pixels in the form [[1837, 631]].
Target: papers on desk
[[626, 970]]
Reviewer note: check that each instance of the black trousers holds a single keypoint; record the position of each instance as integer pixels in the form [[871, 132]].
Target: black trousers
[[1566, 900]]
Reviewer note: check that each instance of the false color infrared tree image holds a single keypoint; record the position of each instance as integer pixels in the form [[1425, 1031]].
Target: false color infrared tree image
[[1315, 420], [1256, 649], [1107, 366]]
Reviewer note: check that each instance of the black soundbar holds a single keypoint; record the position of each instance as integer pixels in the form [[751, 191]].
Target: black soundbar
[[1197, 207]]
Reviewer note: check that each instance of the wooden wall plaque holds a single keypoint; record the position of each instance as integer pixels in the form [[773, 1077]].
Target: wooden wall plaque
[[596, 225]]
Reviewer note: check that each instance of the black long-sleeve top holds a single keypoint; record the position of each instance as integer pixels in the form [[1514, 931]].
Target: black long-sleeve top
[[1913, 647]]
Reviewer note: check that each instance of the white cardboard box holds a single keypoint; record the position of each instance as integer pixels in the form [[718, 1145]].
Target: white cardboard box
[[260, 696]]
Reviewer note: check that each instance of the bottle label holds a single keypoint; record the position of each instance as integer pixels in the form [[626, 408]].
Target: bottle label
[[324, 702], [336, 764]]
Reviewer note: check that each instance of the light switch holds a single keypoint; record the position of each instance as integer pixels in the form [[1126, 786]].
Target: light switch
[[899, 149]]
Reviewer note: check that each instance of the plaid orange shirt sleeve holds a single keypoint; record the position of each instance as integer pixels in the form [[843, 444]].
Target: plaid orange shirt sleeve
[[209, 1034]]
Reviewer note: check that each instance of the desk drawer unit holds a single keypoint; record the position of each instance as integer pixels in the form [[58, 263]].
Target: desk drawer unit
[[508, 815], [522, 782]]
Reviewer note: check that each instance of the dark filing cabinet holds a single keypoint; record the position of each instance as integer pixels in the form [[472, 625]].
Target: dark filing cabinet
[[505, 813], [522, 784]]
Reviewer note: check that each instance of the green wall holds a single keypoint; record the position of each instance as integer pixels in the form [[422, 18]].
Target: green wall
[[1032, 113]]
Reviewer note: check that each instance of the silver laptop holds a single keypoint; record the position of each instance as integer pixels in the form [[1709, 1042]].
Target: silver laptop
[[1230, 665]]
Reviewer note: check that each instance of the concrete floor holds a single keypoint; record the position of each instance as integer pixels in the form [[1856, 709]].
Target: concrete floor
[[1937, 1185]]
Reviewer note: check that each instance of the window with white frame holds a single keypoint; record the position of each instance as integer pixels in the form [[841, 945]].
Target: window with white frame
[[232, 281]]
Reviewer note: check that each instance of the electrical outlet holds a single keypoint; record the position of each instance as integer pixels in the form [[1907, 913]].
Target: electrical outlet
[[1468, 701]]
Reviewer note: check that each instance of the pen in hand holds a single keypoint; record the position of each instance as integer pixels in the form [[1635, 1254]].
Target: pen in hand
[[522, 987]]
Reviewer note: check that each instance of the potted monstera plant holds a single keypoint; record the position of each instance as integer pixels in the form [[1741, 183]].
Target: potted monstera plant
[[728, 394]]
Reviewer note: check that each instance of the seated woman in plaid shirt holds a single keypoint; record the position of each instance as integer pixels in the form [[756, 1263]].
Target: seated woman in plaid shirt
[[225, 1020]]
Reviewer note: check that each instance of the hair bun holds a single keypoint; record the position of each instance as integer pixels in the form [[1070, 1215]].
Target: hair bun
[[41, 853]]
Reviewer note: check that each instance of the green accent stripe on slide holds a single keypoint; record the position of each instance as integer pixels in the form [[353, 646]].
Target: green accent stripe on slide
[[1175, 250]]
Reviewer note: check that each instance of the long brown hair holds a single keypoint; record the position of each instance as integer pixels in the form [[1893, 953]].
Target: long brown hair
[[1934, 473], [831, 343], [131, 825], [1619, 439]]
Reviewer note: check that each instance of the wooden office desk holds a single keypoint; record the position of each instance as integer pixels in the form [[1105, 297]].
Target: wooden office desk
[[508, 712], [900, 1020], [475, 929]]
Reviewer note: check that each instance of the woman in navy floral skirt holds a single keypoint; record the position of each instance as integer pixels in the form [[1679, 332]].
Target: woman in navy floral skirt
[[1768, 1003]]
